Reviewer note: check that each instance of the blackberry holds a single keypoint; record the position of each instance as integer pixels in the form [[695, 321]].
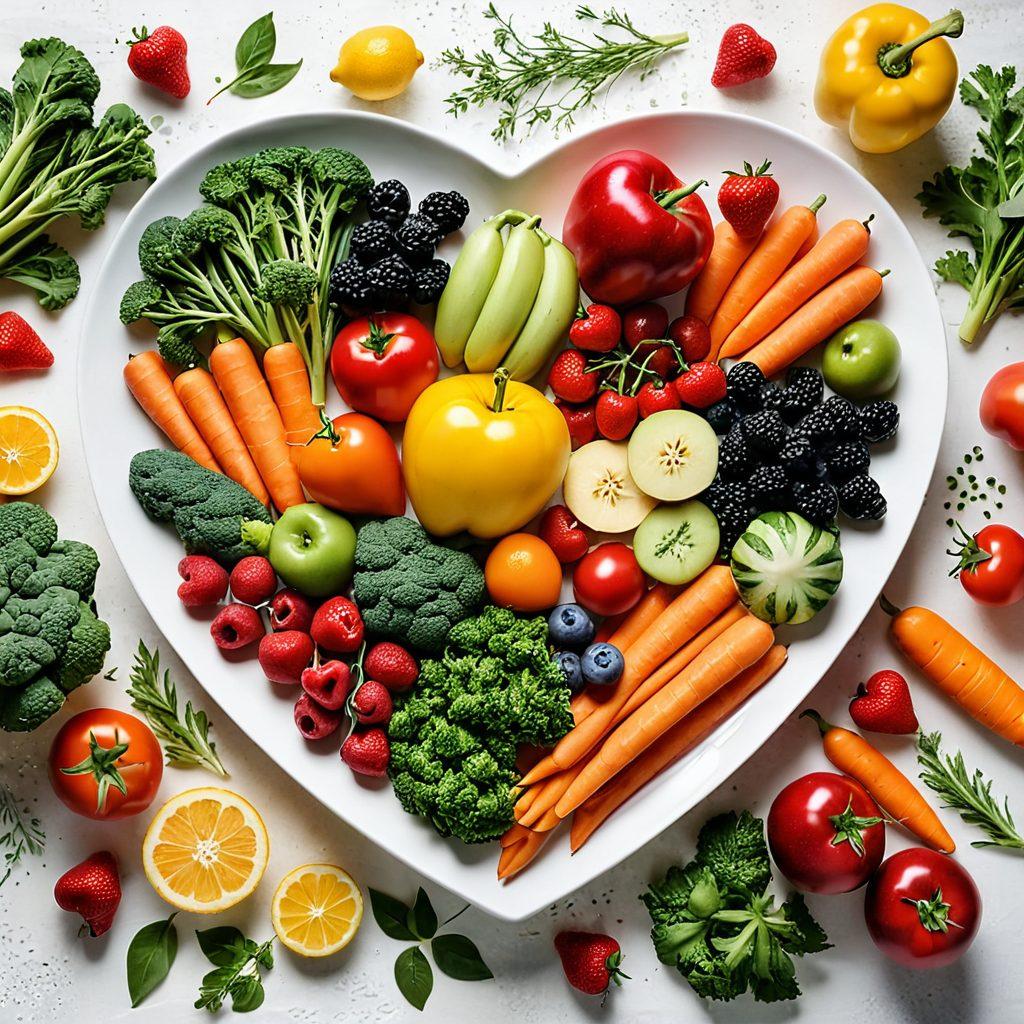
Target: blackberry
[[388, 201], [371, 242], [743, 384], [428, 282], [799, 457], [846, 459], [765, 432], [733, 521], [448, 210], [861, 498], [735, 459], [722, 415], [818, 503], [816, 427], [803, 392], [843, 418], [348, 285], [416, 239], [878, 421], [726, 492], [390, 283], [769, 488], [771, 397]]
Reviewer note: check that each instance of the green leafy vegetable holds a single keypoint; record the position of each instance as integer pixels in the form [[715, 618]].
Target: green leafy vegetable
[[414, 976], [982, 202], [715, 921], [237, 974], [24, 833], [253, 52], [150, 956]]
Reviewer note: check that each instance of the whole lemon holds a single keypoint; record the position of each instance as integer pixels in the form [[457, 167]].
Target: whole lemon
[[377, 63]]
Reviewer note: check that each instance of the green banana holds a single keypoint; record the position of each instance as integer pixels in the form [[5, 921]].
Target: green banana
[[510, 299], [553, 312]]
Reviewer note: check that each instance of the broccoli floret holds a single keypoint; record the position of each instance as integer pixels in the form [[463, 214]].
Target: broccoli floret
[[735, 851], [138, 299], [278, 167], [226, 182], [86, 650], [29, 522], [207, 225], [158, 248], [25, 709], [49, 270], [206, 508], [287, 283]]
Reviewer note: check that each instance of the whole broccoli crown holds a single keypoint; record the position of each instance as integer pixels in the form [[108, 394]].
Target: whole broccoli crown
[[226, 182], [25, 709], [69, 564], [331, 166], [206, 225], [287, 283], [29, 522], [140, 298], [277, 168]]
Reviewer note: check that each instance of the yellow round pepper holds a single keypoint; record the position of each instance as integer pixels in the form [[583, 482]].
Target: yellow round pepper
[[482, 454], [887, 76]]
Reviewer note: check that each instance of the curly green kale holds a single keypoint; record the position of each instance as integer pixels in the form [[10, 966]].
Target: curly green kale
[[412, 590], [51, 640], [454, 736]]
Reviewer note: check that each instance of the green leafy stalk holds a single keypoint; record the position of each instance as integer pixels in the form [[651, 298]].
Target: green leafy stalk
[[23, 835], [237, 974]]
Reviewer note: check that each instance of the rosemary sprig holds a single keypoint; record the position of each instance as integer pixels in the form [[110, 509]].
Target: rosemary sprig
[[549, 77], [186, 741], [970, 795], [23, 835]]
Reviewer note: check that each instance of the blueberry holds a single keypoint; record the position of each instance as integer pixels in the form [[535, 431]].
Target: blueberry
[[571, 668], [602, 664], [570, 626]]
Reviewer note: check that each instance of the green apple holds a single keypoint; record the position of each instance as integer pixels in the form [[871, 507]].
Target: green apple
[[862, 360], [313, 550]]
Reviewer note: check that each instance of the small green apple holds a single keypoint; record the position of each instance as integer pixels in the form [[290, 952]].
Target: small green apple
[[862, 360], [313, 550]]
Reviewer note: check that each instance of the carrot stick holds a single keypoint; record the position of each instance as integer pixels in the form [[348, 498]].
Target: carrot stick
[[728, 252], [286, 373], [205, 406], [739, 647], [698, 605], [150, 384], [246, 393], [514, 858], [844, 245], [891, 789], [765, 265], [608, 627], [546, 794], [548, 821], [676, 743], [514, 834], [817, 319]]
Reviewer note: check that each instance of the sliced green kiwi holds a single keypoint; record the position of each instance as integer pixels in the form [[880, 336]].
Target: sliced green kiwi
[[675, 543]]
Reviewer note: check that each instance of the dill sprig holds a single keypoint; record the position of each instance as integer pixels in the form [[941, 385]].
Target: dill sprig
[[24, 834], [186, 741], [970, 795], [549, 77]]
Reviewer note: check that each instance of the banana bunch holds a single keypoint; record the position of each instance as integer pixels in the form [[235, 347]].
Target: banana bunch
[[508, 301]]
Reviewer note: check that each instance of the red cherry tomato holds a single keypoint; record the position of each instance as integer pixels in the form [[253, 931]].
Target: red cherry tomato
[[825, 833], [105, 764], [608, 580], [991, 565], [922, 909], [1002, 405], [382, 362]]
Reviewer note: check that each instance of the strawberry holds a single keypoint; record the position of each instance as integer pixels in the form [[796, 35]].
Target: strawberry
[[591, 961], [701, 385], [743, 55], [748, 199], [290, 610], [616, 415], [596, 329], [693, 337], [158, 59], [883, 704], [643, 322], [92, 889], [570, 379], [328, 683], [656, 396], [314, 721], [561, 531], [391, 665], [284, 656], [206, 581], [372, 704], [338, 626], [253, 580], [367, 753], [236, 626], [20, 347], [581, 422]]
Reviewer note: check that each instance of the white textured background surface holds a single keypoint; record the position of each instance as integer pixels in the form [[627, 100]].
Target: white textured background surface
[[47, 974]]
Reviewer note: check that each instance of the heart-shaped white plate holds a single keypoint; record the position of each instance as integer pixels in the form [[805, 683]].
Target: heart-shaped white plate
[[695, 145]]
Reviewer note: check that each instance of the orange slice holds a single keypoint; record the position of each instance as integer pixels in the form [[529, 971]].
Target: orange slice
[[28, 449], [317, 910]]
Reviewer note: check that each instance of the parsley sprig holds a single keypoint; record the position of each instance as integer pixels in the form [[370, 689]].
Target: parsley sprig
[[23, 835]]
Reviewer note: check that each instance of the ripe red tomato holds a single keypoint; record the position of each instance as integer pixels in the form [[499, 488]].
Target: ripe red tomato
[[608, 580], [1002, 405], [991, 566], [105, 764], [382, 362], [922, 908], [825, 833]]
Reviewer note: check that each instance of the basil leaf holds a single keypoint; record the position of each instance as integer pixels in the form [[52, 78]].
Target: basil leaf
[[422, 919], [223, 946], [264, 80], [459, 958], [257, 44], [414, 976], [246, 994], [391, 916], [150, 955]]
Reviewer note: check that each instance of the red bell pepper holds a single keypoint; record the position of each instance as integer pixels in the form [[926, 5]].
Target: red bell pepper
[[636, 231]]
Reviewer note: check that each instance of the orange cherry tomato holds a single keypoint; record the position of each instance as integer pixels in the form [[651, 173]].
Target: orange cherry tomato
[[523, 573]]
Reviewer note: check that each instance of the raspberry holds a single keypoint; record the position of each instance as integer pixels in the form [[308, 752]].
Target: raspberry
[[253, 580], [391, 665], [206, 582], [236, 626]]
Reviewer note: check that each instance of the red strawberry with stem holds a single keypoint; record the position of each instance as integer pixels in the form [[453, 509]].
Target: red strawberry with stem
[[743, 55], [581, 421], [883, 704], [656, 396], [591, 961], [616, 415], [596, 329], [747, 200], [20, 347], [205, 581], [92, 889], [158, 58], [253, 580], [570, 379], [701, 385], [391, 665], [284, 656], [367, 753], [561, 531]]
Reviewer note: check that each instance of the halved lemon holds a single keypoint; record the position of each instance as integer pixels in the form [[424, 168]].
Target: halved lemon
[[28, 449], [317, 909], [205, 850]]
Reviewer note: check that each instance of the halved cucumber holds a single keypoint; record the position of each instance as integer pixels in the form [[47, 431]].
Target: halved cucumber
[[675, 543]]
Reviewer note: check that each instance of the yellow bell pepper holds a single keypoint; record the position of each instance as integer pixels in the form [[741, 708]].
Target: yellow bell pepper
[[482, 453], [887, 76]]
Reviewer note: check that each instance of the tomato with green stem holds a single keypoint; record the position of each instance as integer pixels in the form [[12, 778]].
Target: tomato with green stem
[[990, 565]]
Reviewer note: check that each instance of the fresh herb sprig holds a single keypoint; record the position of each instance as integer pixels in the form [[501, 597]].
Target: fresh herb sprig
[[23, 835], [548, 78], [970, 795], [256, 75], [186, 740], [238, 963]]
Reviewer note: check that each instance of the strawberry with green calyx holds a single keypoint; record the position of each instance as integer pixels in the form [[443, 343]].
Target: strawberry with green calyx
[[571, 379], [597, 328], [748, 198], [701, 385], [591, 961], [92, 889], [158, 58]]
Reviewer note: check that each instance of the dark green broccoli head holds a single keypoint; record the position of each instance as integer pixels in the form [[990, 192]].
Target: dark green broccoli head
[[734, 849], [331, 166], [140, 298], [287, 283], [28, 522], [86, 650], [227, 182], [176, 345], [69, 564], [159, 248], [207, 225], [26, 708], [277, 168]]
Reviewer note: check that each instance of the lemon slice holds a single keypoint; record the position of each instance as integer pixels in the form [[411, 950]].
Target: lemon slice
[[205, 850], [28, 449], [317, 910]]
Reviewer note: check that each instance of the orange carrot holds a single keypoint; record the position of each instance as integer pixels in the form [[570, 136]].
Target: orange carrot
[[739, 647], [288, 378], [205, 406], [817, 319], [676, 743], [518, 855], [765, 265], [843, 245], [150, 384], [698, 605], [608, 627], [809, 243], [728, 252], [891, 789], [246, 393], [545, 796]]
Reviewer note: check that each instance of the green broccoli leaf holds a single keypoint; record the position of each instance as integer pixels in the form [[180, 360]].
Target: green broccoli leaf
[[50, 271]]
